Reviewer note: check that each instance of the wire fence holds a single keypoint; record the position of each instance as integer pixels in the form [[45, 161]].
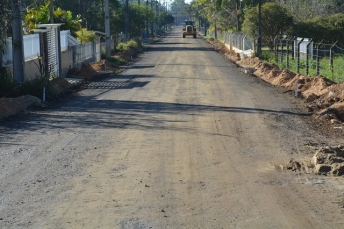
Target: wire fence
[[237, 41], [302, 55], [299, 55]]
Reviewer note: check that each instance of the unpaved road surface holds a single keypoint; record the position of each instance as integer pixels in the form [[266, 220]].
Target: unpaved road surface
[[181, 139]]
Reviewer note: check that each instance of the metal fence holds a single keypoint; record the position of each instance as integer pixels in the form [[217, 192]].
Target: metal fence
[[113, 43], [302, 55], [31, 46], [85, 51], [7, 57], [31, 49], [235, 41], [64, 39]]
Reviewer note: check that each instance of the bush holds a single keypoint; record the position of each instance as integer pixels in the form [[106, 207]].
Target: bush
[[268, 56], [132, 44], [329, 29], [121, 47], [7, 84], [276, 19], [116, 61], [35, 88], [10, 88], [85, 35]]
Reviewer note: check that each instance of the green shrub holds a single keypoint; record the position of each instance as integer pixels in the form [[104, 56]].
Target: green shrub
[[268, 56], [116, 61], [121, 47], [7, 84], [10, 88], [85, 35], [132, 44], [327, 29], [35, 87]]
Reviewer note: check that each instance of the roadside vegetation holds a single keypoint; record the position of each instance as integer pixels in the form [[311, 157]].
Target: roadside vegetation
[[11, 89], [82, 18], [292, 18]]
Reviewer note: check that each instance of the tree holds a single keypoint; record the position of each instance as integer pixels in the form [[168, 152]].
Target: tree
[[5, 22], [85, 35], [303, 10], [41, 15], [328, 29], [276, 20]]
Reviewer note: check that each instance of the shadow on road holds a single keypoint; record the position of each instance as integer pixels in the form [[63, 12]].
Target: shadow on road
[[87, 112]]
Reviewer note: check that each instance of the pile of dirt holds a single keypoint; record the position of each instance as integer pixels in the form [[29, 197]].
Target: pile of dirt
[[220, 47], [11, 106], [249, 62], [128, 54], [103, 65], [61, 84], [324, 96], [86, 72], [326, 161]]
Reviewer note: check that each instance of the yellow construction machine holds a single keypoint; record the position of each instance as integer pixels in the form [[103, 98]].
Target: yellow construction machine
[[189, 29]]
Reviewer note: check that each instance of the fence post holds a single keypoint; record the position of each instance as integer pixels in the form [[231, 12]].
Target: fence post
[[318, 58], [282, 49], [288, 50], [331, 56], [298, 55], [276, 48], [243, 43], [307, 56]]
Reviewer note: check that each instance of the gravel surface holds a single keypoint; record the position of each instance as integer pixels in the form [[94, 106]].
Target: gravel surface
[[181, 139]]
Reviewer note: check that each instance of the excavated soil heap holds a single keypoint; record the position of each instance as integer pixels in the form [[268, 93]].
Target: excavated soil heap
[[11, 106], [61, 84], [249, 62], [101, 65], [306, 85], [86, 72], [326, 161]]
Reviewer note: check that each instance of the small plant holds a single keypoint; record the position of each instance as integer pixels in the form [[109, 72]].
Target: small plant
[[268, 56], [7, 84], [85, 35], [35, 87], [116, 61], [132, 44], [121, 47]]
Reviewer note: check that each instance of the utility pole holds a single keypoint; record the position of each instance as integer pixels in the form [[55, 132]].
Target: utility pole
[[147, 29], [127, 36], [205, 26], [152, 32], [82, 12], [51, 11], [156, 16], [18, 46], [107, 30], [165, 26], [259, 45]]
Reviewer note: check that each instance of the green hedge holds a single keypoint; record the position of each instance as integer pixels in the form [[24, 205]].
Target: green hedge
[[330, 29]]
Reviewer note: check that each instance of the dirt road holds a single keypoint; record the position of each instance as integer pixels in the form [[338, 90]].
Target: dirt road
[[182, 139]]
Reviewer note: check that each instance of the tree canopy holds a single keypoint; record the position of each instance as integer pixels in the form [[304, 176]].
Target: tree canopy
[[276, 18]]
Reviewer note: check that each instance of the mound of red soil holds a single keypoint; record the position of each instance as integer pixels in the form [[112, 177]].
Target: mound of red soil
[[86, 72], [249, 62], [324, 95], [327, 161], [61, 84], [11, 106], [103, 65]]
